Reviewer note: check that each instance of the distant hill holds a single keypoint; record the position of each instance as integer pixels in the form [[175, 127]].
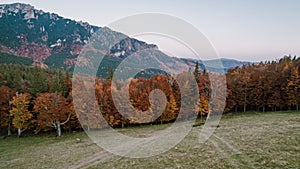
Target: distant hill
[[214, 64], [55, 42], [227, 63]]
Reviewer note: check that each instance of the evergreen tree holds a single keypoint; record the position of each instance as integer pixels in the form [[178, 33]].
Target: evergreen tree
[[38, 82], [110, 73], [196, 71]]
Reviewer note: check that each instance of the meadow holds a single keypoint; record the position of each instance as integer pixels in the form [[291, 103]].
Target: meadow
[[246, 140]]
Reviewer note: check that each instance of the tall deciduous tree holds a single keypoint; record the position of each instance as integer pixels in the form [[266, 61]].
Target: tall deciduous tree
[[292, 88], [53, 111], [20, 113], [5, 97], [202, 106], [171, 109]]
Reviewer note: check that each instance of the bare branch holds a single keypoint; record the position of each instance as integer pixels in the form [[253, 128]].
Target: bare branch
[[66, 120], [54, 125]]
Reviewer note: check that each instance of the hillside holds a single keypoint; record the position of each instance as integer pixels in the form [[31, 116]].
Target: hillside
[[12, 59], [51, 40]]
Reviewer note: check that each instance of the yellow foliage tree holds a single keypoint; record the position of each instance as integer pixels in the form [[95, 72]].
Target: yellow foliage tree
[[171, 110], [20, 113], [202, 106]]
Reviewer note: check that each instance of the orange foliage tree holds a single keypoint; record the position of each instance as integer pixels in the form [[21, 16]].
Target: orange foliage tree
[[53, 111], [5, 97]]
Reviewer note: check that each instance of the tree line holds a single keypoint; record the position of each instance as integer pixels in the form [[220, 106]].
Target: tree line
[[267, 86], [40, 100]]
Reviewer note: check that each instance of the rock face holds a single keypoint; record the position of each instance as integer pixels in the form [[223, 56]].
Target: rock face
[[37, 34]]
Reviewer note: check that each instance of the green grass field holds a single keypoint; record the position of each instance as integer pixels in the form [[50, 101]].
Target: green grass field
[[249, 140]]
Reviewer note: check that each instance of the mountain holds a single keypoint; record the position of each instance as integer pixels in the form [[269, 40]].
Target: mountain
[[41, 36], [36, 37], [214, 64], [54, 41], [227, 63]]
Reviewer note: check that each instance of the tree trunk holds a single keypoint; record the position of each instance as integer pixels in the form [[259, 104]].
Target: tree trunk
[[264, 108], [236, 108], [19, 132], [245, 102], [58, 128], [58, 125], [208, 116], [245, 98], [8, 129], [297, 108]]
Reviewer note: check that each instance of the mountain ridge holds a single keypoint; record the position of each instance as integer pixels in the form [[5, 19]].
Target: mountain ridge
[[55, 41]]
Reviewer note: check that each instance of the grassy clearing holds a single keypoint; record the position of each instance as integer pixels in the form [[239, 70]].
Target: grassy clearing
[[249, 140]]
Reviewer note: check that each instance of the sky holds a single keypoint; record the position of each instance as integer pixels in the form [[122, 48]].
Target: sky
[[255, 30]]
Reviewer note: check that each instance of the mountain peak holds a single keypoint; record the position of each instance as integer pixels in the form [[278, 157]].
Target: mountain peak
[[16, 7]]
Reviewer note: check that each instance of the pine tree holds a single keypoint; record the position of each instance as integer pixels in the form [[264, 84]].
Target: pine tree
[[110, 73], [196, 71], [38, 82]]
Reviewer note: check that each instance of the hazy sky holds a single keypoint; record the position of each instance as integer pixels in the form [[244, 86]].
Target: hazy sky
[[251, 30]]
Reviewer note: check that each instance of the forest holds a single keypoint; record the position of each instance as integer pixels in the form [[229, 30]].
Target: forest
[[36, 100]]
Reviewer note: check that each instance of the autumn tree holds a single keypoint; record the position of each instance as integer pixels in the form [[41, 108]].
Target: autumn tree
[[5, 97], [292, 88], [20, 113], [202, 106], [87, 107], [231, 104], [53, 111], [171, 109], [270, 85], [255, 88]]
